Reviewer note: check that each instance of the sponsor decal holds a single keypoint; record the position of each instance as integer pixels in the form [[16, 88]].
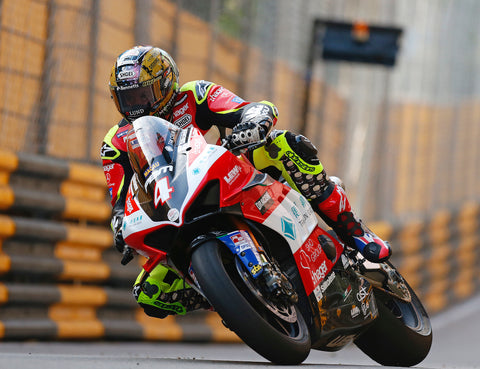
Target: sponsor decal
[[236, 238], [136, 112], [134, 220], [302, 217], [108, 168], [295, 212], [347, 292], [326, 283], [183, 121], [122, 133], [176, 306], [151, 81], [309, 245], [256, 269], [129, 87], [154, 166], [233, 174], [320, 273], [237, 100], [296, 159], [304, 203], [288, 228], [180, 111], [365, 307], [126, 74], [214, 96], [313, 250], [355, 311], [318, 293], [315, 253], [129, 205], [304, 260], [264, 203], [134, 143], [173, 215], [362, 294]]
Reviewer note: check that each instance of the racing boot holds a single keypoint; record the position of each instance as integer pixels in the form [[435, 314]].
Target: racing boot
[[334, 208], [165, 293]]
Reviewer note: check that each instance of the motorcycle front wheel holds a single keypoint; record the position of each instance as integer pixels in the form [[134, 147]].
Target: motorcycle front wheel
[[277, 333]]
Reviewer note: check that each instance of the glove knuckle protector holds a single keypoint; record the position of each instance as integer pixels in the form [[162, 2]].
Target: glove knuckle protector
[[117, 233]]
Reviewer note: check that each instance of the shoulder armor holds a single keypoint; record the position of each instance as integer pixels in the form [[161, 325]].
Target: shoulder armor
[[108, 150], [199, 88]]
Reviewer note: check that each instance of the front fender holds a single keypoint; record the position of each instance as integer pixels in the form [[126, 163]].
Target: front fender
[[240, 244]]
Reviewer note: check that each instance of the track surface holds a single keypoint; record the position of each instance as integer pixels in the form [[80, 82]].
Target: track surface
[[456, 344]]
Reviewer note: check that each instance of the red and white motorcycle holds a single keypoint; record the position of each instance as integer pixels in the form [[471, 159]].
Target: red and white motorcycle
[[254, 248]]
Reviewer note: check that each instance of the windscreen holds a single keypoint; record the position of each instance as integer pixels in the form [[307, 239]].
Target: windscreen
[[150, 145]]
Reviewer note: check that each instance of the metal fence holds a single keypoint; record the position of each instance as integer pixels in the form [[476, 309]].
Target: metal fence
[[404, 140]]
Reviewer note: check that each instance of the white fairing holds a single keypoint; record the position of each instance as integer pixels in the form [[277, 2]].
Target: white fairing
[[139, 220], [294, 219]]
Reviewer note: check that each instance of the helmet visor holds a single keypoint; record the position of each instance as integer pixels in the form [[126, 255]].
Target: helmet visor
[[139, 101]]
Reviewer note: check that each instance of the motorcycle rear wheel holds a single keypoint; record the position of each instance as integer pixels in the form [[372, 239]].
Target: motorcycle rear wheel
[[402, 333], [279, 341]]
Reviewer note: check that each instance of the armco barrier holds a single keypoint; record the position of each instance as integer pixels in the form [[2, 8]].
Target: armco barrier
[[440, 256], [61, 279], [59, 275]]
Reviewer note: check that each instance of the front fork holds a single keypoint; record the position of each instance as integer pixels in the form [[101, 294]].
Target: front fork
[[273, 283]]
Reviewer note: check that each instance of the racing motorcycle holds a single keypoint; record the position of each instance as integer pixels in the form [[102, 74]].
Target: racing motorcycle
[[254, 248]]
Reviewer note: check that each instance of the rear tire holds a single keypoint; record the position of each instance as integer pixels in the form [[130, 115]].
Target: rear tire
[[277, 340], [402, 333]]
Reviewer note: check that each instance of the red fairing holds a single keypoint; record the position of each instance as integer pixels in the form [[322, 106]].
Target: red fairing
[[198, 145], [314, 264], [260, 201]]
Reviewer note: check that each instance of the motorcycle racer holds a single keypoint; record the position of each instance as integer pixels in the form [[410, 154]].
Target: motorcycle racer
[[145, 81]]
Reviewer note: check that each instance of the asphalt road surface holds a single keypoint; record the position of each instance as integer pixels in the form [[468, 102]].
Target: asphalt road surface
[[456, 344]]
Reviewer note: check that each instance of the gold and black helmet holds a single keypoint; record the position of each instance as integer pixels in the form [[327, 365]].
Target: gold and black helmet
[[144, 81]]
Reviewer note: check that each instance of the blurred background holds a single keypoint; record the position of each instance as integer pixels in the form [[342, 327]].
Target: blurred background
[[403, 138], [402, 135]]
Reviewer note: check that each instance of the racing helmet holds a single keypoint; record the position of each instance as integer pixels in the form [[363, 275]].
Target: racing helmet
[[144, 81]]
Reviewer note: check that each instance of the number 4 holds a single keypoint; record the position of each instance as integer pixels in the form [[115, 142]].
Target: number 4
[[163, 191]]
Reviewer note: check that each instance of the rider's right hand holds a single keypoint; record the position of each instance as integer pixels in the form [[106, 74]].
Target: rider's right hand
[[118, 240]]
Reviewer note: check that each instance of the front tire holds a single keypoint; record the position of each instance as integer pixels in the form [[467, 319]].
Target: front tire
[[281, 341]]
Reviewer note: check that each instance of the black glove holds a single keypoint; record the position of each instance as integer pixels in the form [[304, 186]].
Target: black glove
[[117, 233], [250, 132]]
